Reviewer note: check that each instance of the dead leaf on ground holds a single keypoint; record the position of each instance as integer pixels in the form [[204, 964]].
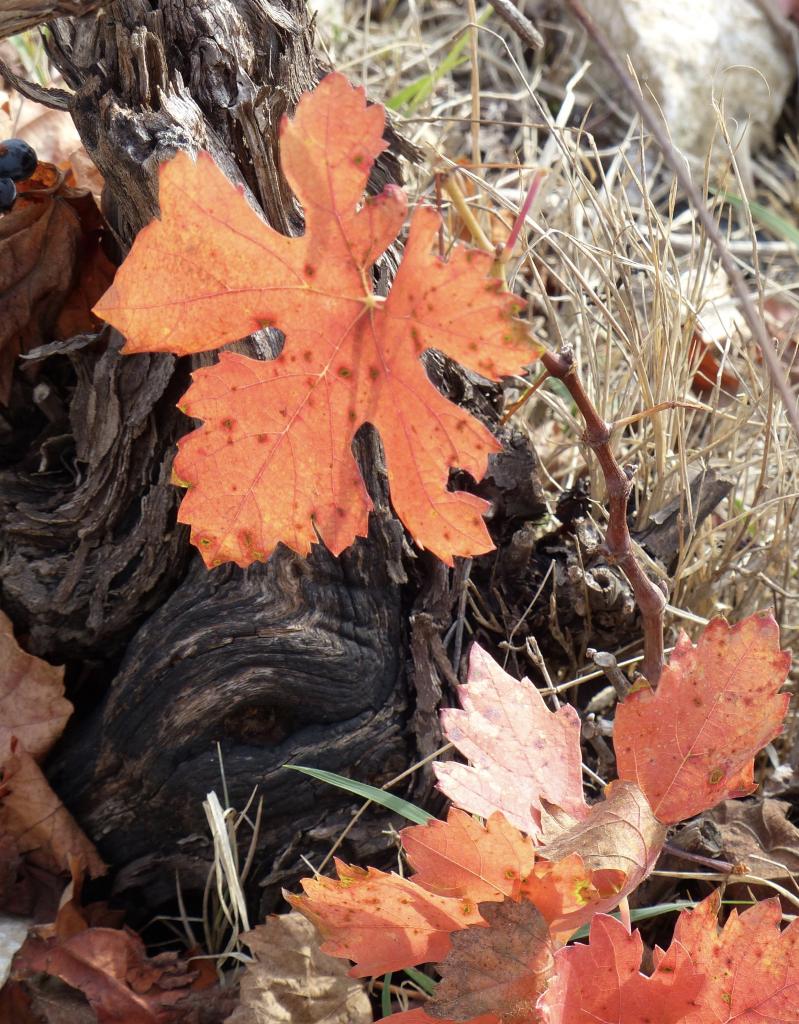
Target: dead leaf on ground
[[111, 968], [50, 258], [34, 824], [522, 756], [32, 703], [501, 970], [758, 835], [44, 830], [291, 980]]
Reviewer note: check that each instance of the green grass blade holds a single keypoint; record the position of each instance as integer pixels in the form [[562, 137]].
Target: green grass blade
[[425, 984], [385, 996], [776, 224], [377, 796], [412, 96], [644, 914]]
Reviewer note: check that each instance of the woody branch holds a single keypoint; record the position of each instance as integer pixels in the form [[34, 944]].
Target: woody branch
[[618, 544]]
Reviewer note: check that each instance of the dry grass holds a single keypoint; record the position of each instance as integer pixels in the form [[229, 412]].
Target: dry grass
[[613, 263]]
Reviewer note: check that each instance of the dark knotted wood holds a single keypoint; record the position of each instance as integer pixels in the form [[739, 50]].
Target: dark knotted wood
[[297, 660]]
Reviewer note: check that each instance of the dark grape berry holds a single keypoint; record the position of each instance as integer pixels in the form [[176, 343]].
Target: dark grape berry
[[8, 193], [18, 160]]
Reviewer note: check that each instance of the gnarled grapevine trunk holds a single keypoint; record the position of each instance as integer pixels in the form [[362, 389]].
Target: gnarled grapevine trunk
[[173, 667], [179, 674]]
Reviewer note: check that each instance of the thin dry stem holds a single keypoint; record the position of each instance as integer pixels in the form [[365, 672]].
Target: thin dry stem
[[618, 544]]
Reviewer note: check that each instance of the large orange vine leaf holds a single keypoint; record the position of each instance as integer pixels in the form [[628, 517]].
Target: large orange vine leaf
[[602, 981], [520, 752], [381, 921], [751, 968], [690, 744], [273, 460], [460, 857]]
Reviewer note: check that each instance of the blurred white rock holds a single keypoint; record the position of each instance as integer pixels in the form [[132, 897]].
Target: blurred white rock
[[689, 53], [13, 931]]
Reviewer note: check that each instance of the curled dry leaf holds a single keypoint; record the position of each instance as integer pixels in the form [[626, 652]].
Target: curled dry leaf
[[273, 460], [382, 922], [110, 967], [499, 970], [750, 967], [292, 981], [691, 743], [602, 981], [620, 838], [521, 754]]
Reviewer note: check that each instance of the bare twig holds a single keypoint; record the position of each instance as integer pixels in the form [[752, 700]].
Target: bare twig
[[607, 662], [23, 14], [520, 23], [655, 126], [618, 544]]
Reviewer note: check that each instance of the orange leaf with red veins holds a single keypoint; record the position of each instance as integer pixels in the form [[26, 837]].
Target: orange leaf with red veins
[[619, 843], [691, 743], [602, 981], [500, 970], [750, 966], [382, 922], [520, 752], [273, 460], [32, 703], [460, 857]]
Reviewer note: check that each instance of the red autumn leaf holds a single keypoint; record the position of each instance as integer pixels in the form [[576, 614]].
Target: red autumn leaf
[[382, 922], [520, 752], [499, 970], [751, 968], [273, 460], [602, 981], [691, 743], [460, 857]]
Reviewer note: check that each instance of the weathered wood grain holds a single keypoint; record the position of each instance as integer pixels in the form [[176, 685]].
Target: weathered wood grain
[[19, 15]]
